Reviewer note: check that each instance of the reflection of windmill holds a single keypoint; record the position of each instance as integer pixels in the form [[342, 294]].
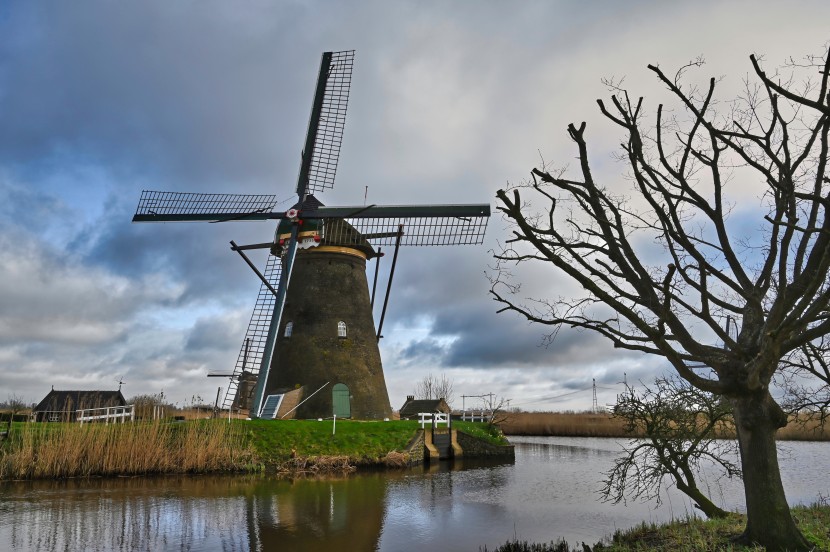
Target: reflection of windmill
[[320, 330]]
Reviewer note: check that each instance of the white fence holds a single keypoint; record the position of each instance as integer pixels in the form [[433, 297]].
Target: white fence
[[481, 416], [107, 414], [434, 418]]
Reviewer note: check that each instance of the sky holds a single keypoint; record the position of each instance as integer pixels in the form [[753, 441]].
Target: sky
[[450, 102]]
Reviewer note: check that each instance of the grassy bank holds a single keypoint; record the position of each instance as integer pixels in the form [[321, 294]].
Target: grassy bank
[[279, 443], [58, 450], [362, 443], [586, 424], [689, 535]]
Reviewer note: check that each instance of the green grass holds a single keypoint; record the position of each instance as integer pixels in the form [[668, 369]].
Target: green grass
[[363, 442], [491, 434], [716, 534], [691, 535]]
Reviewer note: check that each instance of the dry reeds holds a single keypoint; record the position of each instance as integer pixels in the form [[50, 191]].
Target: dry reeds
[[317, 464], [395, 459], [583, 424], [804, 427], [57, 450], [587, 424]]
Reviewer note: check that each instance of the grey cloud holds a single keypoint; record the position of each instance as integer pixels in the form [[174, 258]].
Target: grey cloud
[[99, 100], [220, 333]]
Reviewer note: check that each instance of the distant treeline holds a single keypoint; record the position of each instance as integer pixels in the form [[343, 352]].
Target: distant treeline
[[4, 417]]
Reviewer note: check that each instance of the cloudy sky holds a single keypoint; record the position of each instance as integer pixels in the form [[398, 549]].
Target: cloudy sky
[[450, 102]]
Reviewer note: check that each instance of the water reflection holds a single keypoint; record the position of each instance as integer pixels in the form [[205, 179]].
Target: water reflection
[[549, 492], [204, 513], [343, 514]]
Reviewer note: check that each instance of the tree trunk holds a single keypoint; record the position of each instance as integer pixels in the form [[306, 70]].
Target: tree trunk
[[769, 523], [702, 502]]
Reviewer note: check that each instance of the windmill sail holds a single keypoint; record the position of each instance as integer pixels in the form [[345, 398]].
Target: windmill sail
[[250, 355], [330, 121], [433, 230], [155, 206]]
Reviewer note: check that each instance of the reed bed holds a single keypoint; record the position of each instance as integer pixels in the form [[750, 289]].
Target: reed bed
[[60, 450], [804, 428], [588, 424], [563, 424]]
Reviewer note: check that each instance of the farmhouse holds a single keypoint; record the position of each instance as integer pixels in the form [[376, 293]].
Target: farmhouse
[[412, 407], [63, 406]]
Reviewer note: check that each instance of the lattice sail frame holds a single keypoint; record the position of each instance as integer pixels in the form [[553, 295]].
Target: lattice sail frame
[[418, 231], [378, 224], [326, 151], [156, 206], [257, 331]]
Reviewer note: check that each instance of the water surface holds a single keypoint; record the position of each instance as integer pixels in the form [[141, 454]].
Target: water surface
[[549, 492]]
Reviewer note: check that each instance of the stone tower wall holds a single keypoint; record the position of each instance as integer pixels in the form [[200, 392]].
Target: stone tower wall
[[329, 285]]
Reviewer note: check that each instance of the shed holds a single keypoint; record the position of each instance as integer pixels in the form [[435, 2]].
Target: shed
[[62, 406], [412, 407]]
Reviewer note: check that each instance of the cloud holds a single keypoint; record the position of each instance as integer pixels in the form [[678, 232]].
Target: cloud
[[101, 100]]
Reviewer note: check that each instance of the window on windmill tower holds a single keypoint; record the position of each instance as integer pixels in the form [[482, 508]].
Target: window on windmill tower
[[341, 329], [289, 327]]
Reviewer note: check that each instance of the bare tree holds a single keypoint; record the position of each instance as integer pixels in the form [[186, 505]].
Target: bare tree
[[496, 409], [15, 405], [805, 377], [768, 281], [431, 387], [681, 425]]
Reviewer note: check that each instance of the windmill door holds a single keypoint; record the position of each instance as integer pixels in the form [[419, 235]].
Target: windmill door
[[341, 401]]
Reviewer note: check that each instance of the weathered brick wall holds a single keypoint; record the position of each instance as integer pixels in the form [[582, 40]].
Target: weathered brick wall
[[415, 448]]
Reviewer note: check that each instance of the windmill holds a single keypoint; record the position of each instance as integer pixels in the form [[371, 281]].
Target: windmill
[[312, 326]]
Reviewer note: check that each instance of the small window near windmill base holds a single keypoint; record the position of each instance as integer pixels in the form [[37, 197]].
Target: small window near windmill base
[[289, 327], [341, 329]]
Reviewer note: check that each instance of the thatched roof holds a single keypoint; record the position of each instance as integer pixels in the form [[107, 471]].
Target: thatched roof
[[413, 406], [69, 401]]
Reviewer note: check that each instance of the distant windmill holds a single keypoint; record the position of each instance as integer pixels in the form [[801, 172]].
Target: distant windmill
[[314, 293]]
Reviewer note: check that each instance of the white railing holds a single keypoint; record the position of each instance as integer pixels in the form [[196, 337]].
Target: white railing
[[107, 414], [434, 418], [475, 417]]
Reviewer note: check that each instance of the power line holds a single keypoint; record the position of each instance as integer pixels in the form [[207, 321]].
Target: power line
[[554, 397]]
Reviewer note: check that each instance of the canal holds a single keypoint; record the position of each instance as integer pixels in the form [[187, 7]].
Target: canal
[[550, 492]]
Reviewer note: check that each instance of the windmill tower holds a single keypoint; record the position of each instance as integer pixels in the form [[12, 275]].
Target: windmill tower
[[312, 327]]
